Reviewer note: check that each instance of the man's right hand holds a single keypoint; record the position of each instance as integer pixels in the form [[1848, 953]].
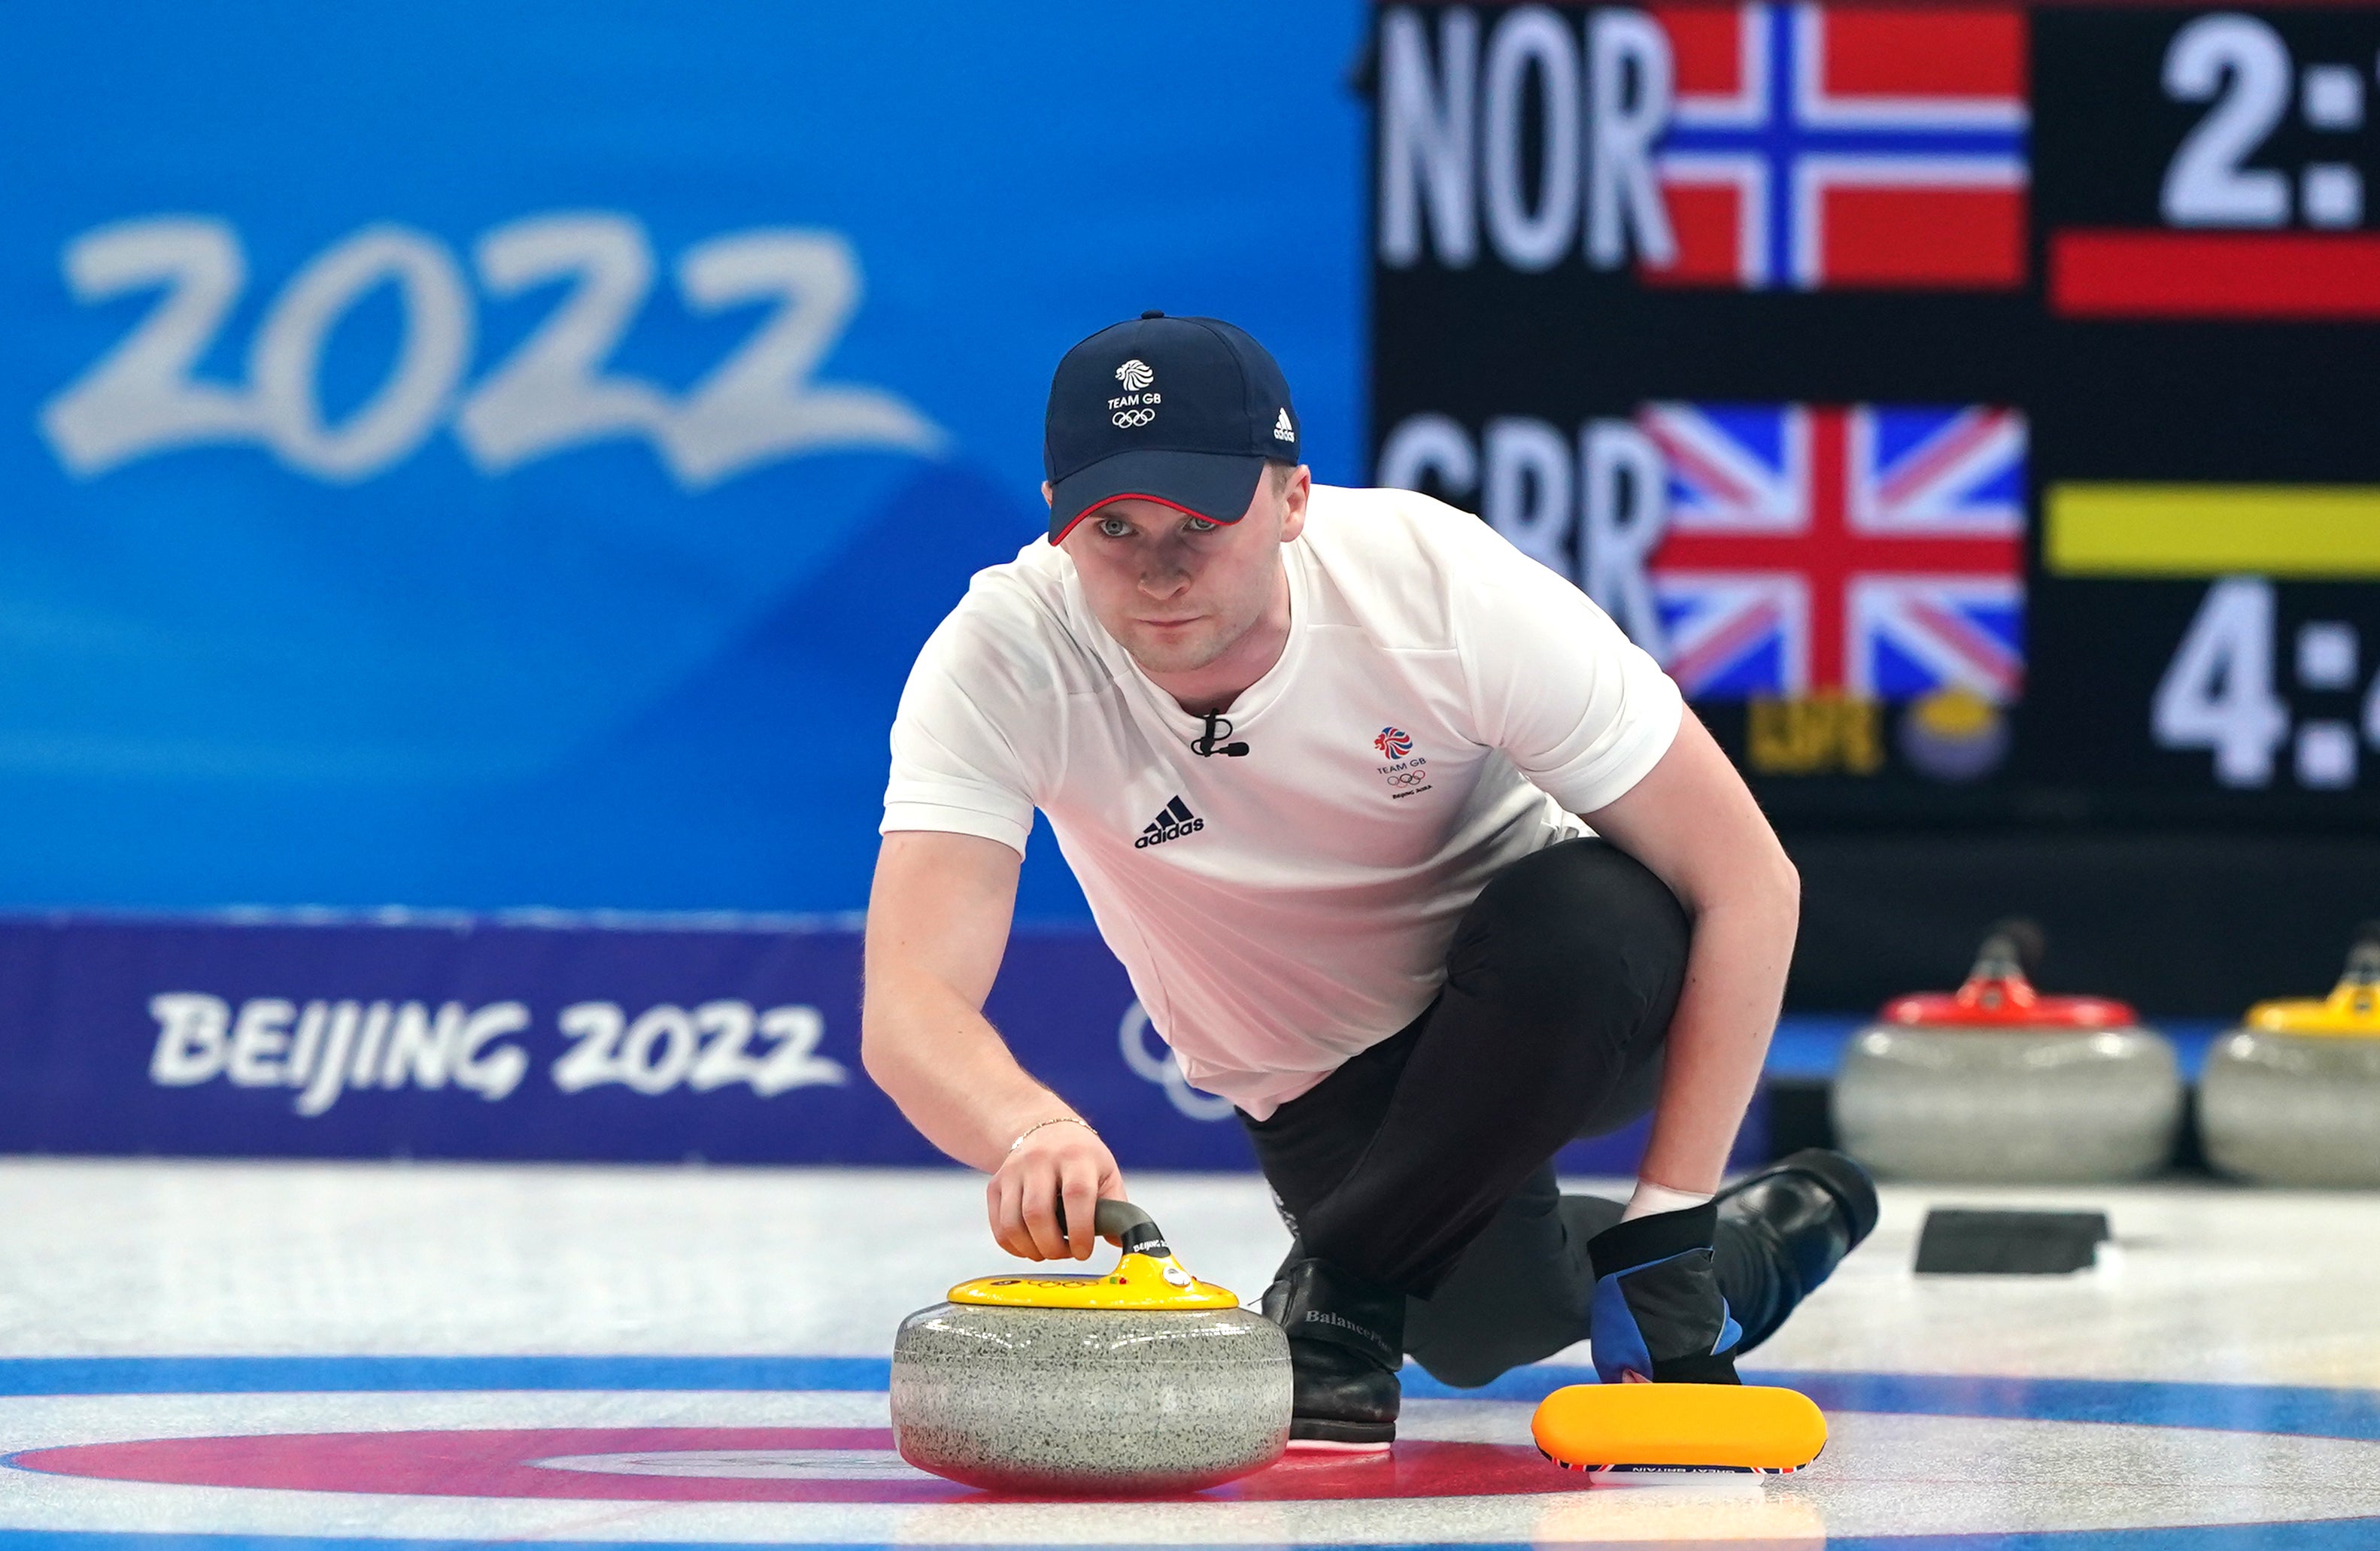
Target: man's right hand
[[937, 923], [1066, 1163]]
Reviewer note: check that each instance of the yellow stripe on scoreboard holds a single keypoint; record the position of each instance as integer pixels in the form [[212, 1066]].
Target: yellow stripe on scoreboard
[[2330, 532]]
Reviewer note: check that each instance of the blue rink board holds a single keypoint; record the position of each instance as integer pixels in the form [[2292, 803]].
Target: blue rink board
[[1809, 1047], [558, 1037], [551, 1037], [2274, 1409]]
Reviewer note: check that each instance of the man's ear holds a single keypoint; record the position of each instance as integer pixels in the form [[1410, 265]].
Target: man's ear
[[1292, 501], [1049, 496]]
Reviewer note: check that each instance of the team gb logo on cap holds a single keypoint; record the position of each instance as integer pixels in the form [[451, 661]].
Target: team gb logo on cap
[[1136, 408]]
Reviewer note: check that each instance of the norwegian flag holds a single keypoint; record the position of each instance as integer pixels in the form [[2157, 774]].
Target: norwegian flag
[[1870, 549], [1845, 146]]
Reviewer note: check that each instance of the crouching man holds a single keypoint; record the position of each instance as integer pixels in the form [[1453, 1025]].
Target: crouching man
[[1410, 854]]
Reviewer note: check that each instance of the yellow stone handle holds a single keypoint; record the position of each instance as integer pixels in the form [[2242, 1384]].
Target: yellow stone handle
[[1148, 1277]]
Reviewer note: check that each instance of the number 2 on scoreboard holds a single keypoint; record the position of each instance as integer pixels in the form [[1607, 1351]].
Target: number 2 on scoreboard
[[2243, 67]]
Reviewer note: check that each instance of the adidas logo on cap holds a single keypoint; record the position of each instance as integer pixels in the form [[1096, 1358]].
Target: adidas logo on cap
[[1281, 430], [1172, 821]]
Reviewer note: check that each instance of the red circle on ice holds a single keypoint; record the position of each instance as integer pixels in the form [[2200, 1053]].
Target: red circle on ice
[[724, 1464]]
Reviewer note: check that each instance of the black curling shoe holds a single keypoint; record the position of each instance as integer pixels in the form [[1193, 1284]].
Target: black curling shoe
[[1805, 1212], [1346, 1340]]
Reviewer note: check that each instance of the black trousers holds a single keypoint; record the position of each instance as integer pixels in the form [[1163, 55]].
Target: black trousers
[[1425, 1162]]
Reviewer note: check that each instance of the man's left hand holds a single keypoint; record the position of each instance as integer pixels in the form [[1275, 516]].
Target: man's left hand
[[1657, 1313]]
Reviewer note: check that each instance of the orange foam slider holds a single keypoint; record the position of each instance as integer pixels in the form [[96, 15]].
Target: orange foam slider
[[1679, 1427]]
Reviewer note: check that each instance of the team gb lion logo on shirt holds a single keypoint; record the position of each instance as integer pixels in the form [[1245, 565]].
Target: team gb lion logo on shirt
[[1393, 742]]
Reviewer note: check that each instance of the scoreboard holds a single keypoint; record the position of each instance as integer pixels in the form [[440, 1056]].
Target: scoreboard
[[1977, 408]]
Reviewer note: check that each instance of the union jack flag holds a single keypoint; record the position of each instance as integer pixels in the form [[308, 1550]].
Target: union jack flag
[[1872, 548], [1822, 146]]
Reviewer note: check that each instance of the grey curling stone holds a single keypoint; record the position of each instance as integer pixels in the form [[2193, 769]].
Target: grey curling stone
[[2292, 1108], [2019, 1107], [2301, 1108], [2028, 1104], [1090, 1401]]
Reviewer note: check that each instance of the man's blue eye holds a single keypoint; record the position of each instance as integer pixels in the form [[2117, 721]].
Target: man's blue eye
[[1200, 525], [1114, 528]]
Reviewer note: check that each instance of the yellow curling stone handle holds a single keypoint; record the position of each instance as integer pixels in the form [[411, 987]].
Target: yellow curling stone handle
[[1146, 1278], [1679, 1427], [2352, 1009]]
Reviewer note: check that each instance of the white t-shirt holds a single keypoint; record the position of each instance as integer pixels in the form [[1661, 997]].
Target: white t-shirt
[[1443, 707]]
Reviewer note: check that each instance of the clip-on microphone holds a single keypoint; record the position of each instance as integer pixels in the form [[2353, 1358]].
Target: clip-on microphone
[[1205, 746]]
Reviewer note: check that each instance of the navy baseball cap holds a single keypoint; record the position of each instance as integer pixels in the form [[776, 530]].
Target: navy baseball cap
[[1184, 411]]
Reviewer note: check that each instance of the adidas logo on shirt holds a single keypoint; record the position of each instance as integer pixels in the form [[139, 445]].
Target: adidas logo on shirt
[[1172, 822]]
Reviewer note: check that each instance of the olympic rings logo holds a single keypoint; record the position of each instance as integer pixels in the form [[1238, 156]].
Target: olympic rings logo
[[1128, 419], [1407, 778], [1160, 1068]]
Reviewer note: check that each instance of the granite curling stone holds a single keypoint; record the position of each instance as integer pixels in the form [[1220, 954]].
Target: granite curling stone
[[1998, 1084], [2293, 1097], [1144, 1380]]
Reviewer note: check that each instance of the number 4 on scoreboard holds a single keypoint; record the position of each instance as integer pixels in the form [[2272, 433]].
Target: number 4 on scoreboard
[[2217, 692]]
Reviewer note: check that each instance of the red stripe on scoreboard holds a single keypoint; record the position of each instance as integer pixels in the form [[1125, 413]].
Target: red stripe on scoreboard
[[2215, 275]]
